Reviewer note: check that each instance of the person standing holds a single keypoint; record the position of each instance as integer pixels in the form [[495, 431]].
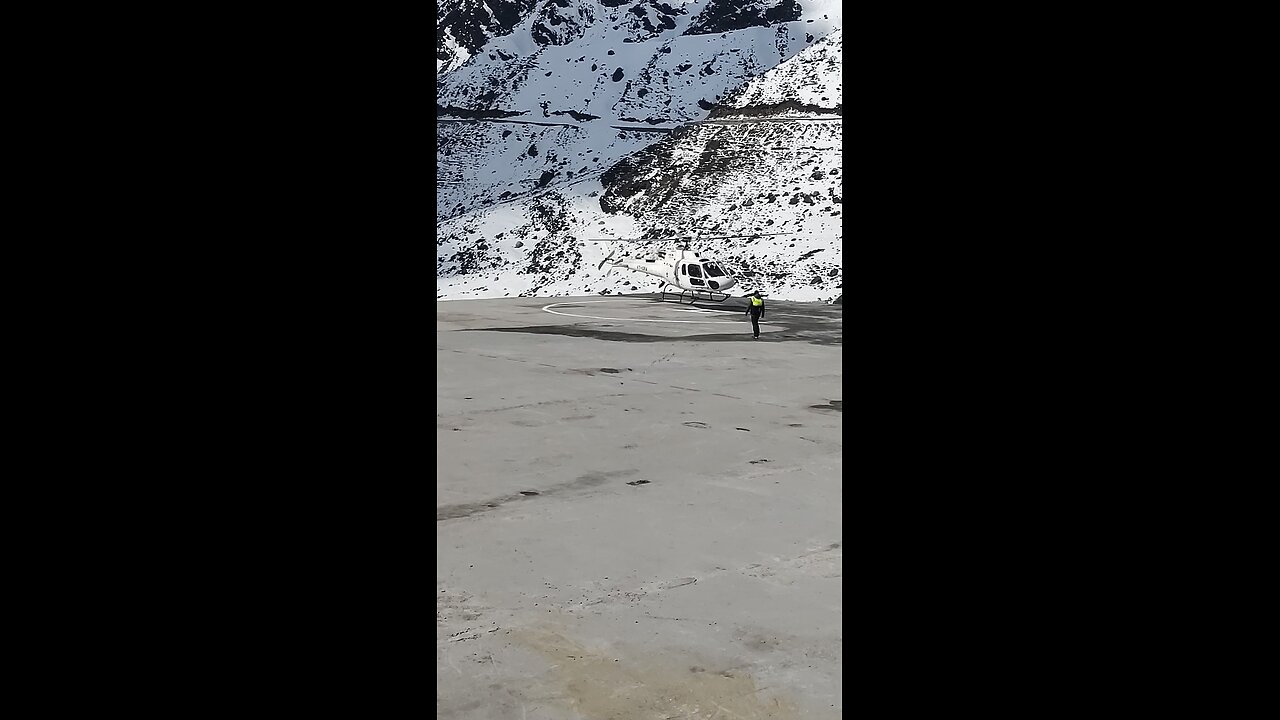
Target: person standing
[[756, 311]]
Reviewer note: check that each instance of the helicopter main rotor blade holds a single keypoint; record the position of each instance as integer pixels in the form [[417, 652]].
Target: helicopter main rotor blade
[[687, 238], [728, 237]]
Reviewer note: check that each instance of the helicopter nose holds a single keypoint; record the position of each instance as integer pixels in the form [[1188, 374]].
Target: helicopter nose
[[725, 284]]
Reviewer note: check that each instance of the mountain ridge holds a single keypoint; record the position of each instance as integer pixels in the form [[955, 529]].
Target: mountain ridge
[[683, 121]]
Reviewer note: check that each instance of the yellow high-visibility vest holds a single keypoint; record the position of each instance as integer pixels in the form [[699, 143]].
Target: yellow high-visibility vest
[[757, 302]]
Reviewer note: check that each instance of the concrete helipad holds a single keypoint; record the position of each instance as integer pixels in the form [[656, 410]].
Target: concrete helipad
[[638, 510]]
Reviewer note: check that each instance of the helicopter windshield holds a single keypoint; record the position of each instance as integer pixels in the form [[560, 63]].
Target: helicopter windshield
[[713, 270]]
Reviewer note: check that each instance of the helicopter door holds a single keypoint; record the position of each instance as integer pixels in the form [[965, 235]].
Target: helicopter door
[[695, 274]]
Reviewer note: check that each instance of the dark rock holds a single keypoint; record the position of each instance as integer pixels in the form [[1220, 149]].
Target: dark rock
[[472, 27], [576, 115], [720, 16], [447, 111], [775, 109]]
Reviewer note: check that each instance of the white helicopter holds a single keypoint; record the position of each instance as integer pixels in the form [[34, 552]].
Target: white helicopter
[[696, 276]]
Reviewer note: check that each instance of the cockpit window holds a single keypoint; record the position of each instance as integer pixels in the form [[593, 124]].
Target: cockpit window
[[713, 270], [695, 270]]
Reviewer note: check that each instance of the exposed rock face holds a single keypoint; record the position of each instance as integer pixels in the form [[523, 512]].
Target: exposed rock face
[[808, 84], [561, 22], [725, 15], [464, 26]]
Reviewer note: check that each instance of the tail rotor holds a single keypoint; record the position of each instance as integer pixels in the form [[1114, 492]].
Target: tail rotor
[[606, 259]]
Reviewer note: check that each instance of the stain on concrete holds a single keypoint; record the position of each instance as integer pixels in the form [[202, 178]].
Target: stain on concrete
[[454, 607], [580, 483], [831, 405], [592, 371], [613, 681], [534, 404], [678, 582], [759, 642], [461, 510], [592, 479]]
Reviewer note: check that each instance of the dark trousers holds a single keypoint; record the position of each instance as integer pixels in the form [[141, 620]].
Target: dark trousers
[[755, 324]]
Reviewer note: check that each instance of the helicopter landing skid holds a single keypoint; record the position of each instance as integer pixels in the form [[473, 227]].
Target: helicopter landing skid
[[695, 295]]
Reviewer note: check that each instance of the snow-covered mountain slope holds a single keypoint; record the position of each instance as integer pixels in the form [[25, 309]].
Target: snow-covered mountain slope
[[622, 118], [811, 85]]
